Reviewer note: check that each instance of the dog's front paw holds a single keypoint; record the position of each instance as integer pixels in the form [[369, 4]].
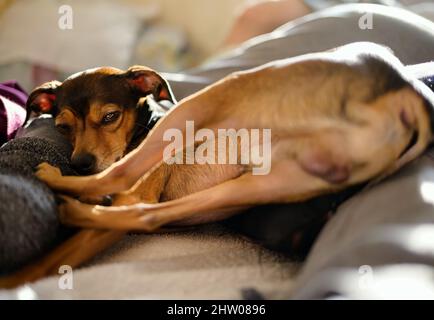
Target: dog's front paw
[[48, 174]]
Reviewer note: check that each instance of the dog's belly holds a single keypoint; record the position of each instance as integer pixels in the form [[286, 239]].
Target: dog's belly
[[187, 179]]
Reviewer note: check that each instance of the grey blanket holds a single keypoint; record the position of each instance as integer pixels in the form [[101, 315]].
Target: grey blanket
[[29, 225]]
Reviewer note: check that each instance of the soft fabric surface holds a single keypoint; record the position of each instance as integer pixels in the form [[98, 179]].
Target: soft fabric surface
[[379, 245], [29, 225], [318, 32], [12, 109], [204, 263]]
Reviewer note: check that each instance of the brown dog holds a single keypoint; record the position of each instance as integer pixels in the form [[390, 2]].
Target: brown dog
[[337, 119], [103, 112]]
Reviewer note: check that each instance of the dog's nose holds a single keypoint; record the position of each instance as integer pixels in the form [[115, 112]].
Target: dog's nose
[[84, 163]]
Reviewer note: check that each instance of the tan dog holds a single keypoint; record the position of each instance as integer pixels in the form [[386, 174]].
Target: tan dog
[[337, 119], [103, 112]]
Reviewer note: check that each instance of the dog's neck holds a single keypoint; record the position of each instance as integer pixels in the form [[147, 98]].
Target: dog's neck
[[148, 115], [141, 128]]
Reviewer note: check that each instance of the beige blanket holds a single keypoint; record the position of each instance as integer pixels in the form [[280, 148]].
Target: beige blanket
[[206, 263]]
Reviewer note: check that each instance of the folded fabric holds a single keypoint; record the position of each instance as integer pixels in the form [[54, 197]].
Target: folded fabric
[[12, 109], [379, 244]]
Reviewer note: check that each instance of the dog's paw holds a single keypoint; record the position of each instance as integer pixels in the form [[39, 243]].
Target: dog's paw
[[48, 174], [74, 213], [97, 200]]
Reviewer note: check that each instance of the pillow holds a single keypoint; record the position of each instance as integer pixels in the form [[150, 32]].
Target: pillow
[[319, 31]]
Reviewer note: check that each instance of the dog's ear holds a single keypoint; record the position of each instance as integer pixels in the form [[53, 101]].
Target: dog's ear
[[43, 99], [146, 81]]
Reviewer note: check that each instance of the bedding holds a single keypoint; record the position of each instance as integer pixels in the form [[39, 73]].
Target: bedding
[[317, 32], [29, 225], [379, 245]]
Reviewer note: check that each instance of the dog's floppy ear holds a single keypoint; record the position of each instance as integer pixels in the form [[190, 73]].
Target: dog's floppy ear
[[43, 99], [146, 81]]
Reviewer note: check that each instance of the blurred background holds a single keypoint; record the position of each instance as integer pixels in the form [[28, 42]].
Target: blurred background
[[42, 40], [168, 35]]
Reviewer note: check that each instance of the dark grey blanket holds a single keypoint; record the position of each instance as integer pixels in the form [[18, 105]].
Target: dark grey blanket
[[29, 225]]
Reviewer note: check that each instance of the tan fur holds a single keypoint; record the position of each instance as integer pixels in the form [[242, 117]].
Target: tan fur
[[107, 143]]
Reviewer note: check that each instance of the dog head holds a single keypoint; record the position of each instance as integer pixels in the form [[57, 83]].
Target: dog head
[[102, 112]]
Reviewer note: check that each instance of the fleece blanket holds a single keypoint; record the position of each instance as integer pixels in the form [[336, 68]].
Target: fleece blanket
[[208, 262], [29, 226]]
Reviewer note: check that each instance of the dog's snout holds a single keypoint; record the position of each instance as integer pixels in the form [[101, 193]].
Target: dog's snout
[[84, 163]]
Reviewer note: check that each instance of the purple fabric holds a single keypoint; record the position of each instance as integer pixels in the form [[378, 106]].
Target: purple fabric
[[12, 109]]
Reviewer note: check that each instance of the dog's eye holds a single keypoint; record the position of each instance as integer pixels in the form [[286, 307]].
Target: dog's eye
[[110, 117], [63, 129]]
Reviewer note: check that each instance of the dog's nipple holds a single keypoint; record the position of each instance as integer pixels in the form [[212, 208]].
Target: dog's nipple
[[406, 119]]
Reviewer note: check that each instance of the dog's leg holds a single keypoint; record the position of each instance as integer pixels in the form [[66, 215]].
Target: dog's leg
[[223, 199], [213, 107], [127, 171], [267, 91]]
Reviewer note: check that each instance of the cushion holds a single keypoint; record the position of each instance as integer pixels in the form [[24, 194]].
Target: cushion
[[319, 31]]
